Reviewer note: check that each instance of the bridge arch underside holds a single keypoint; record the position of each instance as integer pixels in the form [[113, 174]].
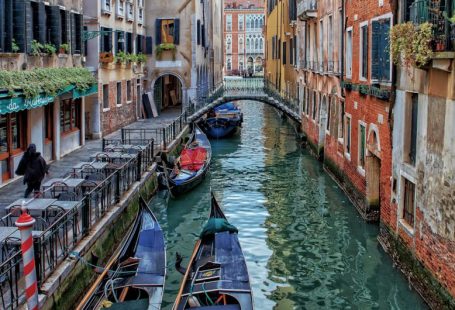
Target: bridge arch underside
[[259, 98]]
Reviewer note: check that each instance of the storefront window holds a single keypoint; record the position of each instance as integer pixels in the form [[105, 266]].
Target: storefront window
[[3, 134], [69, 115], [13, 128]]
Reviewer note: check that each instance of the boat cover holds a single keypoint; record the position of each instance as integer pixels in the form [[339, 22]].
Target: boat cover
[[229, 255], [150, 251], [217, 225], [193, 159], [228, 106]]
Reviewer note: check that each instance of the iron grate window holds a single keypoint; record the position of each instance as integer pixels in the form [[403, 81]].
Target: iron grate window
[[409, 201]]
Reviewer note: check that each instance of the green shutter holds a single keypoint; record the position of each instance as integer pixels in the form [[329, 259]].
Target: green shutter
[[385, 50], [73, 32], [177, 32], [158, 31]]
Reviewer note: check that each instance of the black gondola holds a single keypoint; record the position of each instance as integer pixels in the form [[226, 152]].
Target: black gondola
[[134, 277], [190, 171], [217, 276]]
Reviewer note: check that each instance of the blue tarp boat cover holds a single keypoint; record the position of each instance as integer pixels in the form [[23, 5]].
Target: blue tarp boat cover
[[217, 225], [227, 106], [229, 255]]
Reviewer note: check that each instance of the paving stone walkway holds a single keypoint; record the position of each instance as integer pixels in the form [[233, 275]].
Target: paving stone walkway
[[15, 190]]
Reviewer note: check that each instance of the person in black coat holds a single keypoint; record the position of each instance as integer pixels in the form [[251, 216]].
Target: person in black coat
[[33, 167]]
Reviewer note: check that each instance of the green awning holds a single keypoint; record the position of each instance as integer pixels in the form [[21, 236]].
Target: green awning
[[18, 102]]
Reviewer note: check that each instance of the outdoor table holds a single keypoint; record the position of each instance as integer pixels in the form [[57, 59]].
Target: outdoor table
[[128, 148], [73, 184], [97, 165], [37, 204], [112, 156], [14, 234]]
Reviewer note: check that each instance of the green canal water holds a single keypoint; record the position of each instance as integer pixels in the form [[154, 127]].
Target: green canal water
[[305, 244]]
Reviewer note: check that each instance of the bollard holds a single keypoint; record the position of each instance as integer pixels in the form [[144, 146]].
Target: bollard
[[25, 224]]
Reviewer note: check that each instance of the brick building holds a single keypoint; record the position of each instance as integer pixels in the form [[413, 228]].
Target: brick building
[[115, 28], [244, 43]]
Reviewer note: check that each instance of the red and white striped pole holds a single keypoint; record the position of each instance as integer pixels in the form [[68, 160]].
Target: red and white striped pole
[[25, 224]]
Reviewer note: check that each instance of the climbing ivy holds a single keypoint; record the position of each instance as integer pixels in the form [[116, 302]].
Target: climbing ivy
[[45, 80]]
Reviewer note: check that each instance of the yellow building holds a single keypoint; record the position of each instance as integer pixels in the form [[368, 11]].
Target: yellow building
[[281, 37]]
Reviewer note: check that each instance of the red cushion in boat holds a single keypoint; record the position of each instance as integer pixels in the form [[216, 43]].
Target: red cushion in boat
[[193, 159]]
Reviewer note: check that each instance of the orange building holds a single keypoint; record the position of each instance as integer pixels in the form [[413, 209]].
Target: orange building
[[243, 37]]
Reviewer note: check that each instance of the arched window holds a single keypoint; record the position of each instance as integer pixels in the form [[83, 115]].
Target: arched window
[[261, 44], [256, 23], [229, 64], [228, 44], [241, 47], [256, 44], [248, 45]]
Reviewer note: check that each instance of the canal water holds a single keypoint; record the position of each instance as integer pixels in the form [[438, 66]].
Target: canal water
[[305, 244]]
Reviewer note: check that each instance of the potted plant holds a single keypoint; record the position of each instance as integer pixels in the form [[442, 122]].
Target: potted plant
[[166, 47], [363, 89], [36, 48], [14, 47], [121, 57], [141, 58], [106, 57], [64, 48], [49, 49]]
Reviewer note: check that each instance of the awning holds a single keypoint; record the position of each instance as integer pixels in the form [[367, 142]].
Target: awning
[[18, 102]]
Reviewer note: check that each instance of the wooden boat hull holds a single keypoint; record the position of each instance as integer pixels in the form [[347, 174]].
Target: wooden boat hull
[[134, 278], [217, 276], [183, 186]]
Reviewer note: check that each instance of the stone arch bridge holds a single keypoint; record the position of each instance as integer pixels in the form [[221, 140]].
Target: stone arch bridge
[[255, 89]]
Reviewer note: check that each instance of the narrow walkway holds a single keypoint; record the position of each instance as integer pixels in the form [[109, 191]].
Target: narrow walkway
[[15, 190]]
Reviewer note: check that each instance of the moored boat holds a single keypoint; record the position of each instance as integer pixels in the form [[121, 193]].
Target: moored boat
[[134, 277], [222, 121], [192, 164], [216, 276]]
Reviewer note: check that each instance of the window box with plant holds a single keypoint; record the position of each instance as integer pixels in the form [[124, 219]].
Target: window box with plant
[[166, 47], [364, 89], [64, 48], [347, 85]]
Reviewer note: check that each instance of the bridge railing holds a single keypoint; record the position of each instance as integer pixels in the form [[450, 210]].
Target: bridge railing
[[286, 98]]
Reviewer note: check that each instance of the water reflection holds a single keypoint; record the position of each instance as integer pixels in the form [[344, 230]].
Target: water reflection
[[305, 245]]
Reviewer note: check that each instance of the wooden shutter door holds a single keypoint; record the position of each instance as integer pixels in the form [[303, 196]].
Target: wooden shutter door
[[108, 48], [177, 32], [157, 31], [375, 56], [148, 45], [20, 23], [73, 32], [41, 22], [67, 27], [55, 26], [384, 50], [365, 51], [79, 28]]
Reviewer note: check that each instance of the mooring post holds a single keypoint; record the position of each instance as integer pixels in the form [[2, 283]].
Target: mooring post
[[25, 224]]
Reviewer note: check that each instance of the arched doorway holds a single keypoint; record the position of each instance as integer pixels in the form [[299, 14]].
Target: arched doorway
[[250, 66], [258, 65], [373, 170], [167, 93]]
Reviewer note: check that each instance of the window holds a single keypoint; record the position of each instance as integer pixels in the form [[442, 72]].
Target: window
[[241, 22], [241, 45], [69, 115], [48, 122], [348, 135], [229, 22], [106, 6], [284, 53], [119, 93], [241, 63], [229, 64], [106, 40], [12, 139], [409, 202], [380, 55], [330, 47], [364, 52], [228, 45], [129, 90], [291, 51], [329, 110], [321, 46], [167, 31], [106, 96], [362, 145], [340, 120], [120, 8], [314, 104], [349, 53], [130, 10], [411, 121], [119, 41], [140, 15]]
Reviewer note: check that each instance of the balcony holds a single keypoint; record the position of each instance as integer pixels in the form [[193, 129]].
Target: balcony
[[435, 13], [307, 9]]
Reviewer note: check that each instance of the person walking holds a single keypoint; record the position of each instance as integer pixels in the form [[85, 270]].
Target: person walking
[[33, 167]]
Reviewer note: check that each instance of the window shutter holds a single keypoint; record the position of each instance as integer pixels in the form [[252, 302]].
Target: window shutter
[[102, 40], [158, 31], [177, 31], [66, 26], [79, 30], [73, 32], [203, 35], [365, 51], [21, 9], [384, 51], [41, 22], [109, 40], [2, 26], [148, 45], [198, 30], [291, 52], [375, 38], [55, 26], [284, 53]]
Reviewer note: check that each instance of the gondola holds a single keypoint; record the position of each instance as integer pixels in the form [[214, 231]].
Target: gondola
[[134, 277], [217, 276], [222, 121], [192, 165]]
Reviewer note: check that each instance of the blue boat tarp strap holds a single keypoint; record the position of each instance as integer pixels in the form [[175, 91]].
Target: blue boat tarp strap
[[217, 225], [226, 106], [229, 255]]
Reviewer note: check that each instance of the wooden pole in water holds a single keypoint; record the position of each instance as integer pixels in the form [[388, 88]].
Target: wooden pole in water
[[185, 277]]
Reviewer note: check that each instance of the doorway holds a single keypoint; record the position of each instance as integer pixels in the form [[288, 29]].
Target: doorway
[[167, 92]]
